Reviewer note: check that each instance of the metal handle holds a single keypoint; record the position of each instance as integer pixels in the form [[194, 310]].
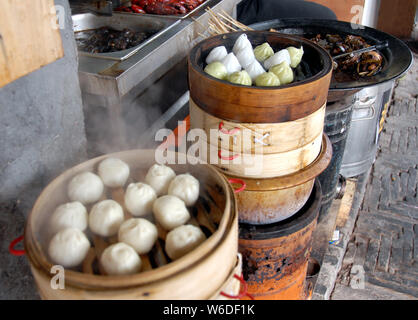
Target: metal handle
[[373, 110], [367, 100], [378, 46]]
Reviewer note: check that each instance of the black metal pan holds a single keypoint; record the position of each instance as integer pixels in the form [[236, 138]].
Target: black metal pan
[[397, 56]]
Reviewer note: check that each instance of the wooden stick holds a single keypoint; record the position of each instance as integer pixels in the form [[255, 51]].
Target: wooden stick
[[238, 24], [216, 20]]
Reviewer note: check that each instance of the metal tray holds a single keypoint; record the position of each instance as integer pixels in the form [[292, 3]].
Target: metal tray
[[88, 21], [208, 3]]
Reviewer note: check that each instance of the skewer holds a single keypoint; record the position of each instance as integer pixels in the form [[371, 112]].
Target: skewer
[[220, 23], [234, 22]]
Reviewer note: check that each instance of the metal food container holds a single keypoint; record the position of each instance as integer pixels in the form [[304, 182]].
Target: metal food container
[[139, 23], [207, 3]]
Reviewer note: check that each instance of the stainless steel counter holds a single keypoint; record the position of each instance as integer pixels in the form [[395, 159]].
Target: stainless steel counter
[[108, 78], [126, 102]]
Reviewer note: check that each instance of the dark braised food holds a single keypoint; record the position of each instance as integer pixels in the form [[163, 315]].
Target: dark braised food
[[364, 64], [106, 39]]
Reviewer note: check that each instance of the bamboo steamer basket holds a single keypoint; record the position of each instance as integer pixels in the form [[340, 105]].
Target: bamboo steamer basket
[[260, 165], [250, 104], [200, 274], [265, 201], [232, 285], [275, 256], [262, 138]]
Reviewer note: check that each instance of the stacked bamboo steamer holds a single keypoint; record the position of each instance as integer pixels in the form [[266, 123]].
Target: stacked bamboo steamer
[[271, 138], [278, 132]]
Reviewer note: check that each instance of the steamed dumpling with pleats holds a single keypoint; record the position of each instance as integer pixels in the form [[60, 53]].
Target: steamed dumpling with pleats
[[231, 63], [217, 70], [283, 71], [267, 79], [85, 187], [139, 233], [240, 77], [68, 247], [263, 52], [241, 43], [186, 187], [113, 172], [69, 215], [216, 54], [159, 177], [139, 198], [295, 56], [277, 58], [182, 240], [105, 218], [170, 212], [245, 56], [254, 70], [120, 259]]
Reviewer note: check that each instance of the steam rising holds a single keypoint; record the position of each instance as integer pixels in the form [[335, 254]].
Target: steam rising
[[114, 124]]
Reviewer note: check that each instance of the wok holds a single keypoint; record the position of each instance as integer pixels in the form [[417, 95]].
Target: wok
[[397, 58]]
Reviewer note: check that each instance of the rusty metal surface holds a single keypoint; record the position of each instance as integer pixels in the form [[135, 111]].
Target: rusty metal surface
[[275, 256]]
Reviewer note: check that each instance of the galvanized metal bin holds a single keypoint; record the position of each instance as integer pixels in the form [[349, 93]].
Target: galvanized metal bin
[[362, 141]]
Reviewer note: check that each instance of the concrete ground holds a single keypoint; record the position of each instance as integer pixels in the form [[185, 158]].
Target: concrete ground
[[381, 257]]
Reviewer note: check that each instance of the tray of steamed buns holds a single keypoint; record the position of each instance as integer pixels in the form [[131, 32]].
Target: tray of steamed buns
[[124, 214]]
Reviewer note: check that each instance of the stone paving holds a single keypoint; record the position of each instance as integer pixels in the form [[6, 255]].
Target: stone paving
[[383, 248]]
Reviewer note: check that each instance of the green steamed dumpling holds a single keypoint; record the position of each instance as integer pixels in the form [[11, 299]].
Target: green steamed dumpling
[[263, 52], [240, 77], [283, 71], [295, 56], [217, 70], [267, 79]]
